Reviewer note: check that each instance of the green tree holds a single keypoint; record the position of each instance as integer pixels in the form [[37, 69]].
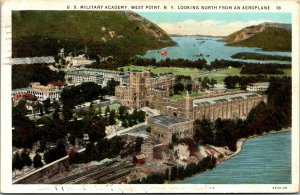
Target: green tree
[[111, 117], [17, 162], [107, 110], [72, 139], [205, 82], [60, 149], [56, 105], [67, 112], [213, 82], [25, 158], [141, 115], [110, 88], [37, 161], [47, 105], [204, 131], [173, 175], [97, 131], [122, 113], [125, 123], [167, 174], [181, 173]]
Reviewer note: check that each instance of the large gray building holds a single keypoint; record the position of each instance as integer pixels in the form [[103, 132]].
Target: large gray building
[[99, 76], [163, 128]]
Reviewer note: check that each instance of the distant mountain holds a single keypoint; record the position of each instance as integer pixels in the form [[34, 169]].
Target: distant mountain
[[267, 36], [122, 34]]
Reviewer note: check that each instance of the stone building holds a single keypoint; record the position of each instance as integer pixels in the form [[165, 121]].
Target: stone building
[[144, 90], [163, 128], [224, 106]]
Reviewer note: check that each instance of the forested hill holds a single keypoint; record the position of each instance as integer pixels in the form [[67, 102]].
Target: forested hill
[[267, 36], [43, 33]]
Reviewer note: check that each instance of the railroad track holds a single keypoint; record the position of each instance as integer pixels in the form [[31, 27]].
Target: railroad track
[[100, 174], [75, 177], [96, 173]]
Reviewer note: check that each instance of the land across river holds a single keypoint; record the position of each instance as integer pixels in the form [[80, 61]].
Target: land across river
[[259, 159], [258, 56]]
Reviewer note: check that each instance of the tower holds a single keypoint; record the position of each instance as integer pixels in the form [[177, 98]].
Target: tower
[[138, 88]]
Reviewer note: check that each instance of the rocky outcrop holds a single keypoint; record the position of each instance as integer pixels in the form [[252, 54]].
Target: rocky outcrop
[[267, 36]]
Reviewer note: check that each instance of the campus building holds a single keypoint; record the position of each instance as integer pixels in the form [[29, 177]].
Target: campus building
[[78, 61], [164, 128], [221, 105], [41, 92], [258, 86], [99, 76], [144, 90]]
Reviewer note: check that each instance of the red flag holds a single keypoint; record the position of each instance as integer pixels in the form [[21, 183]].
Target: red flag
[[163, 53]]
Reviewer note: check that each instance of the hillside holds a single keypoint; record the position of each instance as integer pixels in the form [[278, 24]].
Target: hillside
[[121, 34], [267, 36]]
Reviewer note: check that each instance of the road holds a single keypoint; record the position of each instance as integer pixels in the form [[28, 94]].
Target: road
[[124, 131]]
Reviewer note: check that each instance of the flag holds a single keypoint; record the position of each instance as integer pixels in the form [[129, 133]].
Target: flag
[[163, 53]]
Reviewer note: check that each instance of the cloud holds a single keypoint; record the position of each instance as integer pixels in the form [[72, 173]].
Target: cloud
[[207, 27]]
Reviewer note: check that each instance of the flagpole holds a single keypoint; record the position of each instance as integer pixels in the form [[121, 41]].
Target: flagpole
[[160, 55]]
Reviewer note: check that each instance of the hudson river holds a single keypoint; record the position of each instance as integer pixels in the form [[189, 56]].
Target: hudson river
[[209, 48], [263, 160]]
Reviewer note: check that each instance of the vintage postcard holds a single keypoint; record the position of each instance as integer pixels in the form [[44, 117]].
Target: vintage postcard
[[150, 96]]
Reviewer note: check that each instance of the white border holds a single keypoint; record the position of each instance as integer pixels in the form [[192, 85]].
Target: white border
[[6, 147]]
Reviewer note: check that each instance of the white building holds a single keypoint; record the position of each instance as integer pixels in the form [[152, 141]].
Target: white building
[[78, 77], [41, 92], [78, 61], [258, 86], [99, 76]]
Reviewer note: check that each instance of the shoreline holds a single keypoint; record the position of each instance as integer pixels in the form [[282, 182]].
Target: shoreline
[[239, 145]]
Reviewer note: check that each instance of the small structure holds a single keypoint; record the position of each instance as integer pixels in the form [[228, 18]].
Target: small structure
[[164, 128], [258, 86], [139, 159]]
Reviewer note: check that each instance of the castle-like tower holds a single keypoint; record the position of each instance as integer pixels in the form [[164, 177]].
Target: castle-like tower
[[143, 90]]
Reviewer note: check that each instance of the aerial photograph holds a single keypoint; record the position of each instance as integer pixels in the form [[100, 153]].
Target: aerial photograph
[[123, 97]]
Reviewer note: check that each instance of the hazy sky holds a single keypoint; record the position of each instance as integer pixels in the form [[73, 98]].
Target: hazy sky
[[213, 23]]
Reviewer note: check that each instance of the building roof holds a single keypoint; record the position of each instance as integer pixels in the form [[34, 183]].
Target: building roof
[[168, 120], [223, 98], [263, 84], [58, 83], [140, 156]]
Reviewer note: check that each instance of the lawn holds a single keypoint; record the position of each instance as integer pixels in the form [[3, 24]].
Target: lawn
[[219, 75], [161, 70], [112, 107], [183, 94]]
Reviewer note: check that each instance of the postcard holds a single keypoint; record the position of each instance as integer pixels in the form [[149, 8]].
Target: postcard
[[150, 96]]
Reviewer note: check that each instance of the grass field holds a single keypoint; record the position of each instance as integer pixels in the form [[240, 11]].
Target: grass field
[[183, 94], [219, 75], [160, 70], [112, 107]]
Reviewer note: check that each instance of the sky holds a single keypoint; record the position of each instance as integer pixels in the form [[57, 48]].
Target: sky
[[211, 23]]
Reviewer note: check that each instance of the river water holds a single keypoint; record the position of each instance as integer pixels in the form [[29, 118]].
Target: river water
[[263, 160], [209, 48]]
